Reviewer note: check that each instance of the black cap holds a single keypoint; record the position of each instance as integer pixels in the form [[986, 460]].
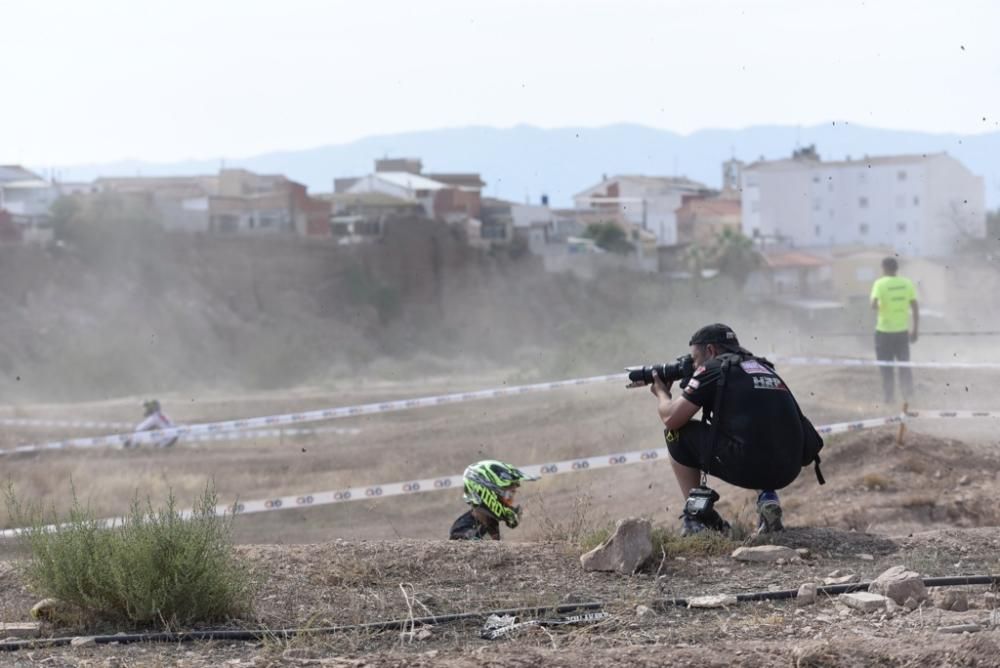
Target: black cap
[[717, 334]]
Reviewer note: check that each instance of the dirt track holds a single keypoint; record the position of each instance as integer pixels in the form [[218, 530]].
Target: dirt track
[[943, 478], [528, 429]]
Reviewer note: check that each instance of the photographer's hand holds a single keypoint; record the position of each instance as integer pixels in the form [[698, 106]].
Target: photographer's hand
[[660, 389], [673, 413]]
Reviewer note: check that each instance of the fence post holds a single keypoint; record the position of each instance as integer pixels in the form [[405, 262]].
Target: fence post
[[902, 424]]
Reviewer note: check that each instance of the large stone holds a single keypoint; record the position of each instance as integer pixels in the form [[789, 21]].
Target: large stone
[[899, 584], [624, 551], [83, 641], [807, 594], [850, 578], [713, 601], [764, 553], [864, 601], [951, 599]]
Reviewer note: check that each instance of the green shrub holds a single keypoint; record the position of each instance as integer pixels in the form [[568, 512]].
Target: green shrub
[[155, 567]]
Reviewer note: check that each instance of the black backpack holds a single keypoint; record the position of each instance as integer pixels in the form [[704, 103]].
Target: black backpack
[[812, 441]]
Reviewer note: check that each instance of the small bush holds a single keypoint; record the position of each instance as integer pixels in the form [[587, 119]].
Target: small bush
[[154, 567], [669, 543], [705, 544]]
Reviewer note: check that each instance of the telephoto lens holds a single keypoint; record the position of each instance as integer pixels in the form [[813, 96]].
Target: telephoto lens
[[640, 376]]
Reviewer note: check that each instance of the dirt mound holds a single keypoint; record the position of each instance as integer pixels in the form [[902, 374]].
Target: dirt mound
[[876, 484]]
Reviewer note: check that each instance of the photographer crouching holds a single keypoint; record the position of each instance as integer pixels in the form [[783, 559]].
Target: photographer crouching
[[752, 433]]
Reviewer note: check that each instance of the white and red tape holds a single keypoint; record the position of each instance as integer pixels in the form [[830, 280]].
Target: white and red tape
[[271, 421]]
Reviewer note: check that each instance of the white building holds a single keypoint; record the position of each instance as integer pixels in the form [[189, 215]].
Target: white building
[[402, 185], [27, 198], [919, 205], [651, 202]]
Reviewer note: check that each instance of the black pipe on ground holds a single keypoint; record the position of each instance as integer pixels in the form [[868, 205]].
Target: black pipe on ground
[[284, 634], [397, 624]]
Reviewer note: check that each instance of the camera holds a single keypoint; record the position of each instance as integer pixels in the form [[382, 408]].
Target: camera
[[640, 376]]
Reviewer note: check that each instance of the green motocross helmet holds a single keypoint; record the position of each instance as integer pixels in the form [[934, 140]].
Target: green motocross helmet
[[489, 484]]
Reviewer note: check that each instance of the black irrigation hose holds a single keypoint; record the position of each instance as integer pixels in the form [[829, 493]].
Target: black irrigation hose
[[260, 634], [396, 624], [952, 581]]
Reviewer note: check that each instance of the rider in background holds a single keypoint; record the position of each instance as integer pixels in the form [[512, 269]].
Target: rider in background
[[154, 419]]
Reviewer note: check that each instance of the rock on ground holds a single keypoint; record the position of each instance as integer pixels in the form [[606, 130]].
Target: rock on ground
[[899, 584], [864, 601], [624, 551], [807, 594], [764, 553], [713, 601], [951, 599]]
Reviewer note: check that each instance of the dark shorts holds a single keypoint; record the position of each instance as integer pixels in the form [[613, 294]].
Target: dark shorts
[[740, 465]]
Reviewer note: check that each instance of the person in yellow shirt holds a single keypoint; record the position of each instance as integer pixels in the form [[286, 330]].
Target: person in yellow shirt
[[895, 299]]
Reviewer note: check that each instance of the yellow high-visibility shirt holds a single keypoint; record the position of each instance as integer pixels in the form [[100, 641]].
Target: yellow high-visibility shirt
[[894, 294]]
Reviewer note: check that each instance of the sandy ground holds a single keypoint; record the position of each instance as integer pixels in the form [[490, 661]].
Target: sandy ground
[[421, 443], [928, 503]]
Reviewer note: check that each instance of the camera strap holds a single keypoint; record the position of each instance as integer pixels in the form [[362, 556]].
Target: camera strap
[[713, 431]]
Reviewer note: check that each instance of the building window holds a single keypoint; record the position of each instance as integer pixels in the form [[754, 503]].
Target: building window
[[916, 201], [863, 202], [816, 179], [901, 175], [863, 229], [819, 231], [900, 227]]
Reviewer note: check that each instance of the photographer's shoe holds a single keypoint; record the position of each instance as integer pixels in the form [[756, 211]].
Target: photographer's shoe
[[690, 526], [768, 513], [710, 521]]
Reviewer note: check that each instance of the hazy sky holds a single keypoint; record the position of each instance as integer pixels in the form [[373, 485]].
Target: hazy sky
[[96, 80]]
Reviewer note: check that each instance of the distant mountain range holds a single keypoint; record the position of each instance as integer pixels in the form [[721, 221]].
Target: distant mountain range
[[524, 162]]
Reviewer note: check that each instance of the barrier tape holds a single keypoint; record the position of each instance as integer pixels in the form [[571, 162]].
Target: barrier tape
[[316, 415], [67, 424], [922, 334], [840, 427], [404, 404], [952, 414], [853, 361], [221, 436], [273, 433], [454, 482]]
